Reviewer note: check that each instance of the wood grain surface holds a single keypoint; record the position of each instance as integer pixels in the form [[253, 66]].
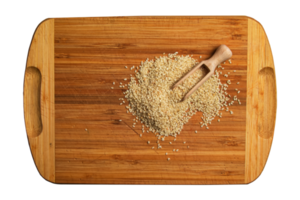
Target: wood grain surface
[[93, 146]]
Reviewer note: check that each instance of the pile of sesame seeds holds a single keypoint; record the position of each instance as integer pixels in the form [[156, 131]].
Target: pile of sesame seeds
[[158, 107]]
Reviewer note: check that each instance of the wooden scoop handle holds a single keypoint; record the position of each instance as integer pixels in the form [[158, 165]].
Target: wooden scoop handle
[[222, 53]]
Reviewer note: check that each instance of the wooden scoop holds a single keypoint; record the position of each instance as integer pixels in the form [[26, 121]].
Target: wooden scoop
[[222, 53]]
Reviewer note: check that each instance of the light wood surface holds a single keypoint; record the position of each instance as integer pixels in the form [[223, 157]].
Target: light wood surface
[[40, 62], [93, 146], [261, 101]]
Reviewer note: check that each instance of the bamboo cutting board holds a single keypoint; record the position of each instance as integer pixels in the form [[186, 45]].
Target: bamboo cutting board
[[72, 114]]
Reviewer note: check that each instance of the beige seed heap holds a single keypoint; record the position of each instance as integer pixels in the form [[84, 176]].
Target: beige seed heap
[[159, 107]]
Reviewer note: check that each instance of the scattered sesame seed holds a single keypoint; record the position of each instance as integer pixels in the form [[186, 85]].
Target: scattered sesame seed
[[238, 92], [86, 129], [170, 142], [120, 120], [126, 67], [229, 61], [218, 120], [207, 127], [152, 147], [174, 150], [148, 142], [112, 87], [238, 83], [120, 83], [121, 104], [234, 70], [113, 83], [195, 131], [166, 153], [222, 67], [177, 150], [200, 56], [184, 142], [231, 112], [188, 146], [169, 159], [226, 75], [125, 79]]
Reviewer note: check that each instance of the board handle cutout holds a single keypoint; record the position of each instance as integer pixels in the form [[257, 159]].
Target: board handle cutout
[[267, 95], [32, 104]]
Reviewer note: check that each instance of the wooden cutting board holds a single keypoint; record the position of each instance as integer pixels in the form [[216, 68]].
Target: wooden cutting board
[[72, 114]]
